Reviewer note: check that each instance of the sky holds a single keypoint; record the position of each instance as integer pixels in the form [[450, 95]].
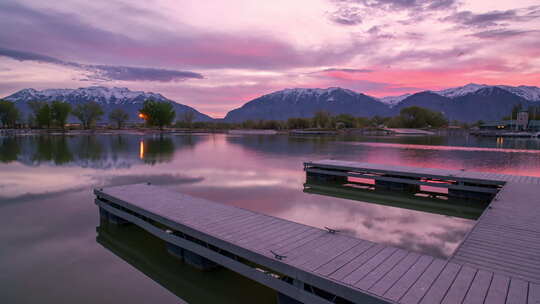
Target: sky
[[217, 55]]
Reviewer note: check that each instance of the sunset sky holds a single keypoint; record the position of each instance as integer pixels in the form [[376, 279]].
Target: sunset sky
[[216, 55]]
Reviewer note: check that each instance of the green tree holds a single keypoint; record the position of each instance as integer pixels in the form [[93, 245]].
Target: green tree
[[60, 112], [418, 117], [9, 114], [41, 114], [119, 116], [378, 120], [187, 118], [157, 113], [321, 119], [348, 121], [88, 113], [362, 122], [34, 106], [43, 117], [298, 123]]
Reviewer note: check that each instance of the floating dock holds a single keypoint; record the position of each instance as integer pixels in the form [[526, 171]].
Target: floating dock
[[309, 265]]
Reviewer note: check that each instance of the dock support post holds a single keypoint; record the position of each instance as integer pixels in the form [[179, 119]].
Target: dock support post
[[463, 194], [396, 186], [198, 261], [326, 178], [104, 215], [175, 251], [284, 299]]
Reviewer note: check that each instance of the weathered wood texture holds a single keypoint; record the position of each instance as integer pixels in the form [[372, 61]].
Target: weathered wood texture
[[355, 269], [506, 238]]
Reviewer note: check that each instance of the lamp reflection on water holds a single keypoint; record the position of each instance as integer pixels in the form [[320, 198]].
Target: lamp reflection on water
[[500, 142], [141, 149]]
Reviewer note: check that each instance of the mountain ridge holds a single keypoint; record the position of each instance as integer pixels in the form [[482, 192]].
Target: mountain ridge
[[459, 103], [468, 103], [108, 98]]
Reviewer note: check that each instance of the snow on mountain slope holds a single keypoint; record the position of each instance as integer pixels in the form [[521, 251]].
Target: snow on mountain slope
[[298, 93], [461, 91], [109, 98], [530, 93], [95, 93], [393, 100]]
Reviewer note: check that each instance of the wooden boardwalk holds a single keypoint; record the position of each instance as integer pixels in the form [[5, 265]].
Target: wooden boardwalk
[[506, 238], [317, 266]]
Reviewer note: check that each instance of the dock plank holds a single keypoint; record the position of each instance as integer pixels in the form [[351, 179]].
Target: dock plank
[[393, 276], [517, 293], [478, 290], [374, 276], [460, 286], [497, 290], [421, 286], [534, 293], [340, 260], [438, 290], [409, 278], [360, 272], [356, 262]]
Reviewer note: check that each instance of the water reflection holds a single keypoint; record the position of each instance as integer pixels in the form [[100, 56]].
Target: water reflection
[[148, 255], [92, 151], [10, 148], [52, 148], [46, 181], [156, 150], [441, 205]]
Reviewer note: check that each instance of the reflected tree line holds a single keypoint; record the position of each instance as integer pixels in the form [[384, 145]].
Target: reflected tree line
[[91, 151]]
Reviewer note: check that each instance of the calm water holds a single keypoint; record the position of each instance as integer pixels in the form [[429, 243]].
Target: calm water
[[54, 249]]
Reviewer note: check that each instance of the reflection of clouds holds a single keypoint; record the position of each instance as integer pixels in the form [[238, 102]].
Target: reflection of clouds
[[243, 178], [412, 230], [24, 180], [5, 200], [450, 235], [156, 179]]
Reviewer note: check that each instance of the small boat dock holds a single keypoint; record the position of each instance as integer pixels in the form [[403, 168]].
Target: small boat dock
[[498, 261]]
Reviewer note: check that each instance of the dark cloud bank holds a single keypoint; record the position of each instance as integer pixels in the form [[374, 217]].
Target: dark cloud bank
[[105, 72]]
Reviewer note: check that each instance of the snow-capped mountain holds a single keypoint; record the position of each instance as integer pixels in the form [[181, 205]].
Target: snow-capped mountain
[[301, 102], [95, 93], [460, 91], [299, 93], [108, 98], [393, 100], [529, 93], [468, 103]]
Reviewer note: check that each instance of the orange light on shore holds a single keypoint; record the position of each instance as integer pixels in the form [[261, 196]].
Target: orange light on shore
[[142, 116]]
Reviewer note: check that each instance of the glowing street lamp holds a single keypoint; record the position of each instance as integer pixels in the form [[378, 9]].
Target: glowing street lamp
[[142, 116]]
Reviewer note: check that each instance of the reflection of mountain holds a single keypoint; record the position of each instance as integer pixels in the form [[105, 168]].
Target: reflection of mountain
[[93, 151], [462, 209], [148, 255]]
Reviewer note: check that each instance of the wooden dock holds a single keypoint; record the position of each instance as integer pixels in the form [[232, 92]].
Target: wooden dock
[[309, 265]]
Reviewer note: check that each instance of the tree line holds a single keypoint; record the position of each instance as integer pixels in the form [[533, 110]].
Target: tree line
[[56, 113], [161, 114], [412, 117]]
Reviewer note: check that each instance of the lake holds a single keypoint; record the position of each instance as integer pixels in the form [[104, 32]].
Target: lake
[[55, 250]]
